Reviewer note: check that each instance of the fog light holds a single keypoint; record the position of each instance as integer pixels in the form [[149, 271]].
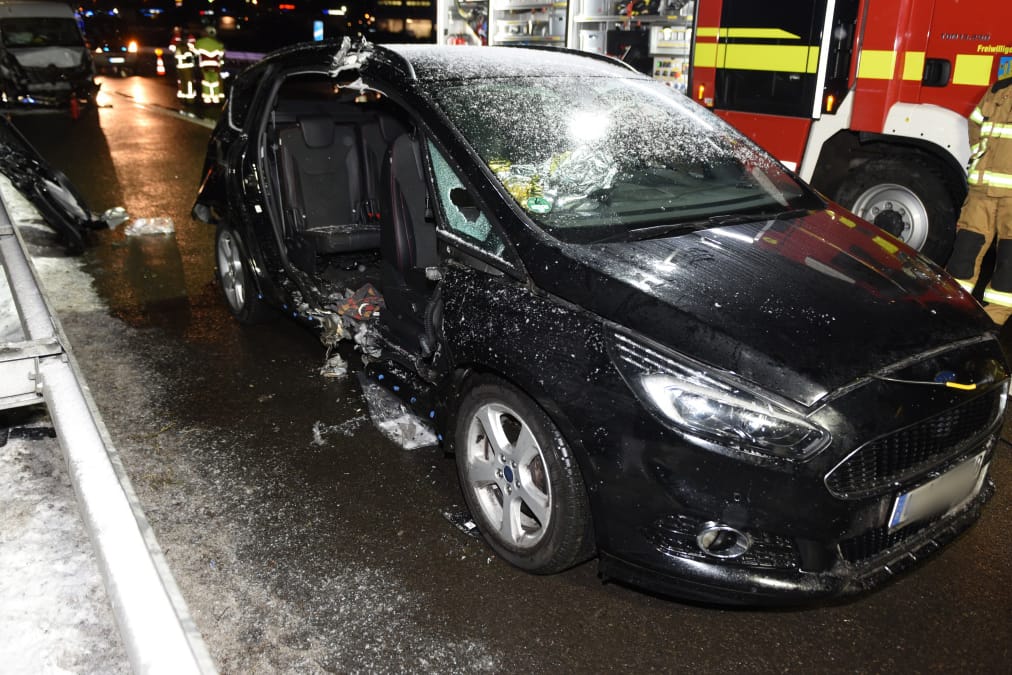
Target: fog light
[[722, 541]]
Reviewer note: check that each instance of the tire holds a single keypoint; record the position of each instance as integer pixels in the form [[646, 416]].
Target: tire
[[510, 453], [907, 197], [236, 279]]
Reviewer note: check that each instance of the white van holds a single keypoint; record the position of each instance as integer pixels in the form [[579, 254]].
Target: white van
[[44, 61]]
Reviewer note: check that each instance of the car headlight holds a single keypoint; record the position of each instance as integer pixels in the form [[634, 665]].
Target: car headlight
[[700, 405]]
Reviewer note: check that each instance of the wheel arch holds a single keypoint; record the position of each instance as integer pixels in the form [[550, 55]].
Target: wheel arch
[[846, 151]]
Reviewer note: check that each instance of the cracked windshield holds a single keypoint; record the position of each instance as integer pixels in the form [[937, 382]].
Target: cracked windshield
[[594, 159]]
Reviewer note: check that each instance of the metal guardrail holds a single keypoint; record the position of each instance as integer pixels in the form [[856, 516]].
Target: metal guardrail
[[154, 622]]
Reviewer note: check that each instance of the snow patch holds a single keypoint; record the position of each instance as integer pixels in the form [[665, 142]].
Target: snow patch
[[54, 613]]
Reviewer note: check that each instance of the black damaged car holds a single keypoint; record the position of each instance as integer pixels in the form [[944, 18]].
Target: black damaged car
[[641, 337]]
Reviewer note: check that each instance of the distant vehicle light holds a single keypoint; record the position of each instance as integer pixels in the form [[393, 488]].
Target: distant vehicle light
[[132, 46]]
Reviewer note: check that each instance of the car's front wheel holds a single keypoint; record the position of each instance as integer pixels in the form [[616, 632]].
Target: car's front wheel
[[236, 278], [520, 480]]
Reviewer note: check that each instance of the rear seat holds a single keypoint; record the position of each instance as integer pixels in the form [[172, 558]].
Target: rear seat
[[322, 169]]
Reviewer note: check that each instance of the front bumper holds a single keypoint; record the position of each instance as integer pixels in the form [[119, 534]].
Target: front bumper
[[48, 87], [839, 522], [700, 581]]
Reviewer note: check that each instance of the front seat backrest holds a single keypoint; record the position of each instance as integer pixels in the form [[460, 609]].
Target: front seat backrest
[[408, 240]]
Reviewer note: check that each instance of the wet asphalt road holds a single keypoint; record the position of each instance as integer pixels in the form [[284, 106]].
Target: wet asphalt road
[[335, 556]]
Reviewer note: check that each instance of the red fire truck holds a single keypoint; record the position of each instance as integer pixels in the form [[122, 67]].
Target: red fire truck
[[866, 99]]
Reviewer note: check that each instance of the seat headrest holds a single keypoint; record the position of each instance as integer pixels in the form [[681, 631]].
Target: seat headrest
[[317, 132]]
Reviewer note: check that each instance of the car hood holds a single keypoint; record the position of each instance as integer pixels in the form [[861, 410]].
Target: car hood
[[800, 307]]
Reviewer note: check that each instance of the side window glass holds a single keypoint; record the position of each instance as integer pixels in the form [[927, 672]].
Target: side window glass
[[240, 98], [463, 216]]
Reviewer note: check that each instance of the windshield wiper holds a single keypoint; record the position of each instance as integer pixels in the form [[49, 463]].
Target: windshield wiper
[[655, 231], [669, 229], [738, 218]]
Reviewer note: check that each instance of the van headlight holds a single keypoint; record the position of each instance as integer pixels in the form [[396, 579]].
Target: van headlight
[[702, 406]]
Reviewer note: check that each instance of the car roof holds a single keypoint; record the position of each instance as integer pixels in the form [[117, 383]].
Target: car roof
[[432, 63]]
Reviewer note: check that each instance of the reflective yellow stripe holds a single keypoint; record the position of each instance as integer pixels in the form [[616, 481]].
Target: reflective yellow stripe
[[964, 387], [706, 55], [848, 222], [966, 284], [997, 297], [783, 58], [974, 176], [973, 69], [977, 117], [913, 66], [996, 179], [877, 64], [758, 34], [992, 130], [747, 33]]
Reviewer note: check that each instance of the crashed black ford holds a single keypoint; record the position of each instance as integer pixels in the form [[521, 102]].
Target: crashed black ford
[[641, 337]]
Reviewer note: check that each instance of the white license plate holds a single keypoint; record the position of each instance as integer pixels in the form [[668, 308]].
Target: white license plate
[[942, 495], [117, 59]]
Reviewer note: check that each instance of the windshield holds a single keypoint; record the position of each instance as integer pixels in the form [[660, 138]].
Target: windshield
[[594, 158], [40, 32]]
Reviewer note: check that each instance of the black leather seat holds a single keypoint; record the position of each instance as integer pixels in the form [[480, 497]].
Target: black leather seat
[[408, 239], [322, 170]]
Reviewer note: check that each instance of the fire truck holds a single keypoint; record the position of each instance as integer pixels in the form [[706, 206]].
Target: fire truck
[[865, 99]]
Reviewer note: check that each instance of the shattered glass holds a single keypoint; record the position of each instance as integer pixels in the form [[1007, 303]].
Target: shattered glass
[[590, 158], [462, 215]]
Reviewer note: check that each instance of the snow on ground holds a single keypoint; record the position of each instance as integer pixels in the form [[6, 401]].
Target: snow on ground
[[54, 612], [55, 615]]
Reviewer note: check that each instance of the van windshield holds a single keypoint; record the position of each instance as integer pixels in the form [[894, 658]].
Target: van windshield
[[40, 32], [594, 158]]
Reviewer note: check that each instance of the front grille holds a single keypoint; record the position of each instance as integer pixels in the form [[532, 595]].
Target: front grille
[[873, 542], [879, 464], [879, 540]]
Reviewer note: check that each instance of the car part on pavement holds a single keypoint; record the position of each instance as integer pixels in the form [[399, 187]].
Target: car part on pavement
[[59, 203]]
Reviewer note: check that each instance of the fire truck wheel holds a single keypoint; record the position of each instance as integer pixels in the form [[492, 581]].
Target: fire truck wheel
[[906, 197]]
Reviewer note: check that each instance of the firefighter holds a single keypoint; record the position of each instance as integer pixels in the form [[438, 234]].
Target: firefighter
[[186, 63], [987, 211], [210, 55]]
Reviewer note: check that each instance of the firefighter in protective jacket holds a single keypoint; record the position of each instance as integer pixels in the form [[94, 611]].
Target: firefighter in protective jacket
[[210, 55], [987, 211], [186, 64]]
